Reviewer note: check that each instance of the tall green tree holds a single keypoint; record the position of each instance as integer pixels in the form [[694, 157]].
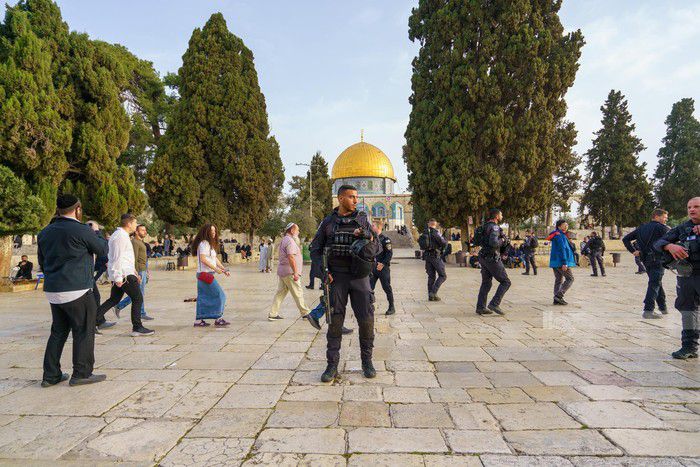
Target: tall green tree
[[616, 191], [487, 105], [217, 162], [677, 176], [567, 178], [321, 186]]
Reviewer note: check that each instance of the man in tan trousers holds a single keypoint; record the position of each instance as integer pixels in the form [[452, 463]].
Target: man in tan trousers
[[288, 273]]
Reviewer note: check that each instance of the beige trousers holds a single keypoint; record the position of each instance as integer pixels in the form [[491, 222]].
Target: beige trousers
[[288, 284]]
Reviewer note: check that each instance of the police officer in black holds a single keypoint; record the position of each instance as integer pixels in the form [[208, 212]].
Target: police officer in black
[[683, 244], [596, 250], [348, 239], [382, 267], [644, 237], [529, 247], [434, 265], [492, 241]]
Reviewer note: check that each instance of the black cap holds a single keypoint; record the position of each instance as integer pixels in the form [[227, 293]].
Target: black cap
[[66, 201]]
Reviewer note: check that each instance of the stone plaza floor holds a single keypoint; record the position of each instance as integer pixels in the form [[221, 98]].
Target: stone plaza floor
[[589, 384]]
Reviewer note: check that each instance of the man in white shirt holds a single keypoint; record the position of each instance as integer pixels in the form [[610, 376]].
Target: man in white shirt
[[65, 249], [121, 270]]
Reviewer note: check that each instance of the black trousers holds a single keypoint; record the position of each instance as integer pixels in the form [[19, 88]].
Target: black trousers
[[655, 289], [563, 280], [492, 268], [384, 277], [132, 289], [77, 317], [597, 259], [434, 267], [529, 258], [362, 301]]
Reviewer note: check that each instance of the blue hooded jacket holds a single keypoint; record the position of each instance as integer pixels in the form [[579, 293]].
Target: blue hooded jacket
[[561, 253]]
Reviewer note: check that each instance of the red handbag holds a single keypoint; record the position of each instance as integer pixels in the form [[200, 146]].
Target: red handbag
[[205, 277]]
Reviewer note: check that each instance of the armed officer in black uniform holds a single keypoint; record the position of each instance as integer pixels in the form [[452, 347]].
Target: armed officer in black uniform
[[683, 244], [492, 241], [529, 247], [645, 236], [382, 267], [434, 265], [348, 239]]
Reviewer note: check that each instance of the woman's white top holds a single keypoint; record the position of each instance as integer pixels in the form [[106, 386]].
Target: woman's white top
[[205, 249]]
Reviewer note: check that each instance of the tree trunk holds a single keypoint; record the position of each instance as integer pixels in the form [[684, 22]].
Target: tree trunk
[[5, 259]]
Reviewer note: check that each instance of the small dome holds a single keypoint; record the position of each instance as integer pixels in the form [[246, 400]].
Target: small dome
[[362, 160]]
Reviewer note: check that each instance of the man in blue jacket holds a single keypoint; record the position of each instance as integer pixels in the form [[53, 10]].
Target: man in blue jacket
[[66, 255], [561, 260]]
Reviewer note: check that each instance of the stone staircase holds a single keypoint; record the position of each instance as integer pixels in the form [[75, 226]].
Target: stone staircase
[[398, 240]]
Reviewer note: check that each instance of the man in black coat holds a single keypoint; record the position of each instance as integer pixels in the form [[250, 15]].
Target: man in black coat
[[66, 256]]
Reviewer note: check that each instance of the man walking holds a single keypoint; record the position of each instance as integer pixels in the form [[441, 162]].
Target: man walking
[[121, 270], [382, 267], [141, 269], [596, 250], [492, 239], [348, 240], [66, 250], [644, 237], [529, 247], [434, 266], [683, 243], [561, 260], [288, 275]]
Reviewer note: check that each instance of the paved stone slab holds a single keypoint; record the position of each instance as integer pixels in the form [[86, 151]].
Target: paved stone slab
[[386, 460], [266, 377], [451, 460], [655, 442], [208, 451], [302, 440], [612, 414], [560, 442], [251, 396], [406, 395], [420, 416], [216, 361], [476, 441], [605, 392], [290, 414], [554, 393], [456, 354], [473, 417], [362, 393], [416, 379], [493, 460], [153, 400], [365, 413], [313, 393], [295, 460], [536, 416], [230, 423], [396, 440], [499, 395]]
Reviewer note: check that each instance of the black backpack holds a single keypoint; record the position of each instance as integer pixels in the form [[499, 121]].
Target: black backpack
[[425, 241], [479, 237]]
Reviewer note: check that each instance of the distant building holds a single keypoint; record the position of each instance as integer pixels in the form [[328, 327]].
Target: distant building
[[366, 167]]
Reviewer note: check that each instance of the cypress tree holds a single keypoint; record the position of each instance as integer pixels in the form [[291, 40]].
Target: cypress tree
[[217, 162], [322, 188], [617, 191], [677, 176], [487, 105]]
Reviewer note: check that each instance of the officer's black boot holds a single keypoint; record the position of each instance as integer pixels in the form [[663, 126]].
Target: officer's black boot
[[368, 369], [689, 345], [496, 309], [330, 373], [430, 297], [391, 309]]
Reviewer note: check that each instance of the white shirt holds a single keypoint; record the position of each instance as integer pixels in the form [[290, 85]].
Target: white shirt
[[120, 259], [205, 249], [59, 298]]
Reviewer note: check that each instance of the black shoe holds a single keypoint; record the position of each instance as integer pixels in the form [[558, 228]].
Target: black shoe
[[483, 311], [97, 331], [496, 309], [431, 297], [560, 301], [535, 272], [650, 315], [106, 324], [146, 318], [689, 345], [48, 384], [684, 354], [594, 275], [391, 310], [663, 311], [640, 272], [276, 318], [313, 321], [368, 369], [345, 330], [526, 274], [436, 298], [330, 373], [142, 331], [310, 287], [603, 274], [89, 380]]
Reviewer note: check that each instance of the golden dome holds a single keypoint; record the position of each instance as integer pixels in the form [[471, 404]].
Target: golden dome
[[362, 160]]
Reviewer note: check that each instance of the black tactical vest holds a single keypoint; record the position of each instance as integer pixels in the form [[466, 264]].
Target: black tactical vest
[[341, 239]]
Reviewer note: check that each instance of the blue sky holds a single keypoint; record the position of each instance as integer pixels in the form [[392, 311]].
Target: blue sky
[[330, 69]]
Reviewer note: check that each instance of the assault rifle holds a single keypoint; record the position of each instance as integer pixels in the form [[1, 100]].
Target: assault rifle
[[326, 286]]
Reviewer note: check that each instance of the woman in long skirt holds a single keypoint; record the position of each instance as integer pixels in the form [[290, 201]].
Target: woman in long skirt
[[211, 299], [268, 266]]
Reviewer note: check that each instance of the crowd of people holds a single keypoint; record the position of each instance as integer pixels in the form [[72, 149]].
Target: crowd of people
[[349, 254]]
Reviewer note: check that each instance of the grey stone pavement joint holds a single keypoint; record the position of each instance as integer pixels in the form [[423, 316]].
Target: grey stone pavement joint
[[585, 385]]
